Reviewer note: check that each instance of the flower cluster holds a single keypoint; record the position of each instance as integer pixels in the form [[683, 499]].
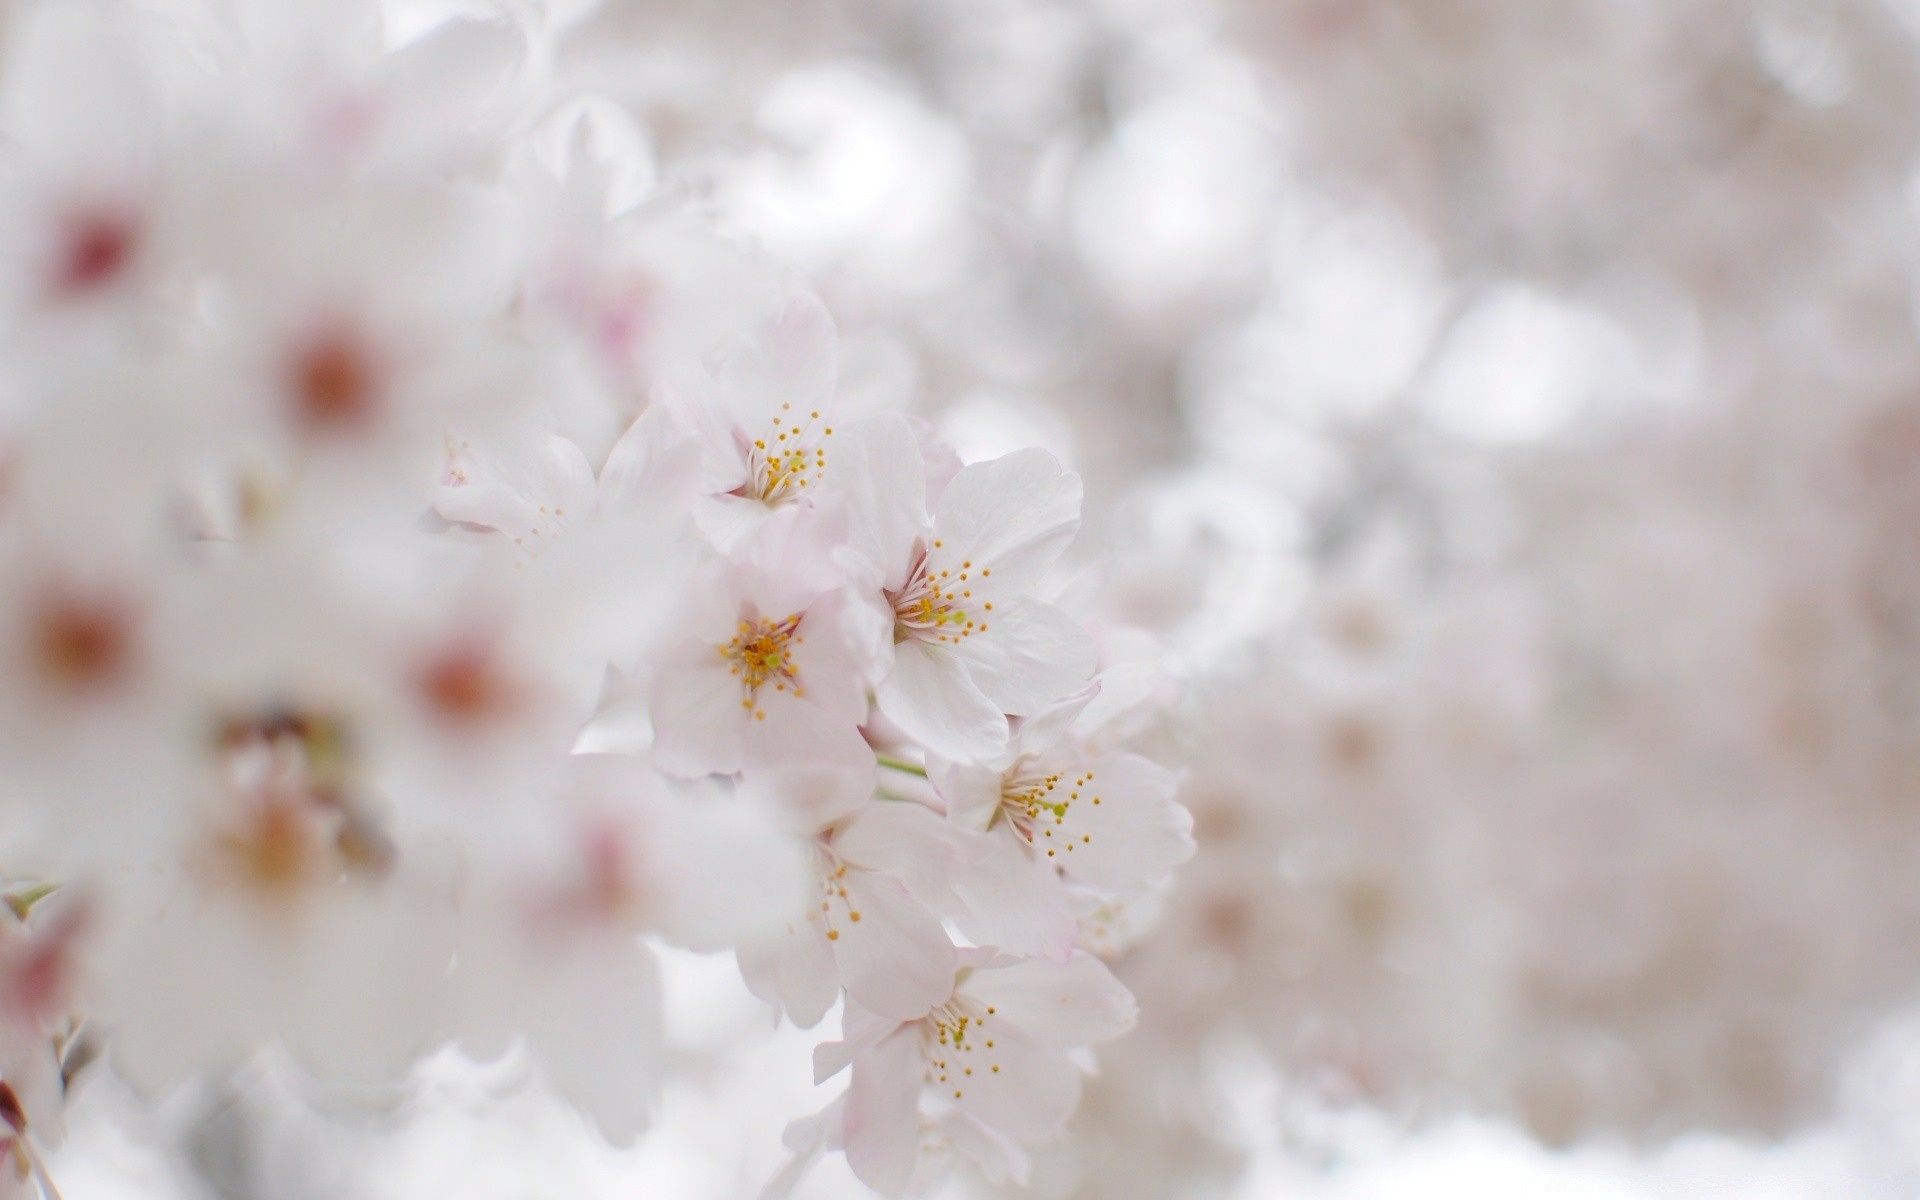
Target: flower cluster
[[434, 563]]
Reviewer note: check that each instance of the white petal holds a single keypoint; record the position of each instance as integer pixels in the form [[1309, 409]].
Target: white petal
[[699, 722], [1014, 903], [860, 1031], [795, 363], [693, 397], [972, 794], [1043, 729], [1074, 1003], [595, 1026], [800, 742], [728, 521], [904, 840], [930, 697], [722, 870], [1135, 835], [794, 971], [1013, 515], [826, 666], [653, 463], [896, 959], [526, 488], [877, 471], [1000, 1159], [1028, 1098], [1029, 655], [883, 1113]]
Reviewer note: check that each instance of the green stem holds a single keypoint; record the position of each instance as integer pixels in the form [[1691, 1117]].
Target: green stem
[[901, 764]]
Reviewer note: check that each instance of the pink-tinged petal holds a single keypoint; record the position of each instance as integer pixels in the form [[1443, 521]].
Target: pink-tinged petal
[[883, 1113], [1012, 515], [654, 463], [595, 1027], [788, 564], [1014, 902], [795, 362], [1018, 1087], [806, 1139], [793, 971], [1029, 655], [699, 721], [804, 347], [527, 488], [860, 1031], [824, 663], [896, 958], [728, 521], [972, 794], [866, 618], [1043, 729], [904, 840], [722, 870], [939, 459], [1000, 1159], [878, 474], [1073, 1003], [929, 695], [800, 742], [692, 396], [1135, 834]]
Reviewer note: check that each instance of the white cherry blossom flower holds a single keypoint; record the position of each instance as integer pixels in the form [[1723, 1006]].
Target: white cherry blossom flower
[[995, 1059], [760, 676], [1054, 815], [881, 873], [765, 418], [968, 642]]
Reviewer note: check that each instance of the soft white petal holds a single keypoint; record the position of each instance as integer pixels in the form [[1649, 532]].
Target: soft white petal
[[972, 794], [1012, 515], [833, 674], [1028, 1097], [1042, 730], [595, 1024], [794, 363], [929, 695], [1073, 1003], [1000, 1159], [878, 473], [652, 464], [1135, 835], [699, 722], [1029, 655], [896, 959], [799, 743], [860, 1031], [883, 1113], [525, 487], [904, 840], [723, 870], [794, 971], [1015, 903], [693, 397]]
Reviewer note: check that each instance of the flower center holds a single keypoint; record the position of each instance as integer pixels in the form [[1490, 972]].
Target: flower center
[[836, 907], [760, 653], [790, 458], [936, 605], [1036, 805], [955, 1044]]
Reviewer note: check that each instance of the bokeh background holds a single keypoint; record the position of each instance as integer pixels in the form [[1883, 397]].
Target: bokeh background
[[1508, 413]]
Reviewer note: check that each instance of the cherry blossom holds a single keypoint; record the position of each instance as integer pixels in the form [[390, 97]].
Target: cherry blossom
[[970, 642], [993, 1060]]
